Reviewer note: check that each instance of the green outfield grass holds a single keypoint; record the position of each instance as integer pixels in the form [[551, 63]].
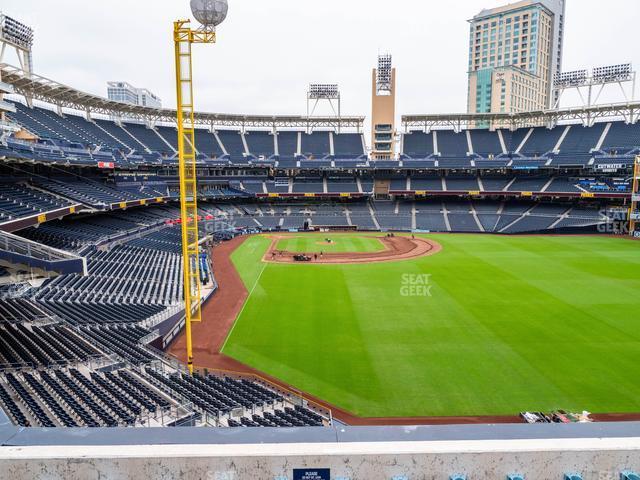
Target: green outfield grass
[[512, 324], [341, 243]]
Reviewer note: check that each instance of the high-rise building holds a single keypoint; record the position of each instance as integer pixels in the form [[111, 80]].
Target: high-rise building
[[514, 52], [126, 93], [383, 110]]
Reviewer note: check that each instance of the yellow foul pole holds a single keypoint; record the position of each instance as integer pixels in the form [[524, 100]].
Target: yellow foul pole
[[184, 37]]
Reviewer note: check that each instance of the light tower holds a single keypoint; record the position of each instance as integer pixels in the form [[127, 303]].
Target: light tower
[[383, 110], [18, 36], [210, 14], [329, 92]]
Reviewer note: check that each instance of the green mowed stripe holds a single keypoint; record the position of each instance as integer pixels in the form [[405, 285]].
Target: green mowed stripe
[[341, 243], [506, 324]]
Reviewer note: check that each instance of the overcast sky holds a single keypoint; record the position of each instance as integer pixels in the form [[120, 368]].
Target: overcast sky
[[269, 51]]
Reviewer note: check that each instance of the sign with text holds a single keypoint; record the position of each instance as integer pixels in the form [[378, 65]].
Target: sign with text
[[311, 474], [635, 198], [609, 167]]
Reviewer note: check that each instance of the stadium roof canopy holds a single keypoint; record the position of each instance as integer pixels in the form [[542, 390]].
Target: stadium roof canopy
[[629, 112], [46, 90]]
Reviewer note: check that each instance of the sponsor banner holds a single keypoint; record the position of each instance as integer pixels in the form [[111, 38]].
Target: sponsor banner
[[310, 195], [123, 205], [422, 193], [608, 167], [106, 165], [587, 195], [159, 199], [635, 198], [634, 216], [345, 195], [474, 193], [42, 218], [143, 202], [636, 234], [526, 194], [72, 209], [311, 474], [274, 195]]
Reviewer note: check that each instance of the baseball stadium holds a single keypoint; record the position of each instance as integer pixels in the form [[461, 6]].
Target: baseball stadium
[[192, 294]]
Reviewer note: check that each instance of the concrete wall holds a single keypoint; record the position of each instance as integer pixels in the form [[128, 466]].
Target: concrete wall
[[594, 458]]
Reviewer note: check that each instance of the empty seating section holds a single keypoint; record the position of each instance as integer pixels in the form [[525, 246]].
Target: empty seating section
[[308, 186], [529, 184], [261, 144], [221, 396], [316, 145], [148, 138], [464, 184], [88, 192], [622, 137], [452, 144], [70, 234], [426, 183], [232, 141], [485, 143], [84, 399], [514, 139], [120, 134], [170, 135], [125, 274], [47, 124], [418, 144], [72, 139], [40, 346], [342, 185], [348, 145], [207, 144], [541, 141], [581, 140], [14, 310], [287, 144], [96, 135], [18, 200]]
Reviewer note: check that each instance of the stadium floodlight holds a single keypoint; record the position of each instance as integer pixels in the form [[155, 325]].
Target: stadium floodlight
[[590, 85], [16, 33], [384, 75], [571, 79], [327, 93], [210, 14], [612, 73], [322, 91]]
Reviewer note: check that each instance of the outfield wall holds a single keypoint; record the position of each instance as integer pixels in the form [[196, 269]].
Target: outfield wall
[[596, 451]]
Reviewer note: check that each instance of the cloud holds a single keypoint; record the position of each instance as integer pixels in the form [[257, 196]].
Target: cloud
[[268, 52]]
